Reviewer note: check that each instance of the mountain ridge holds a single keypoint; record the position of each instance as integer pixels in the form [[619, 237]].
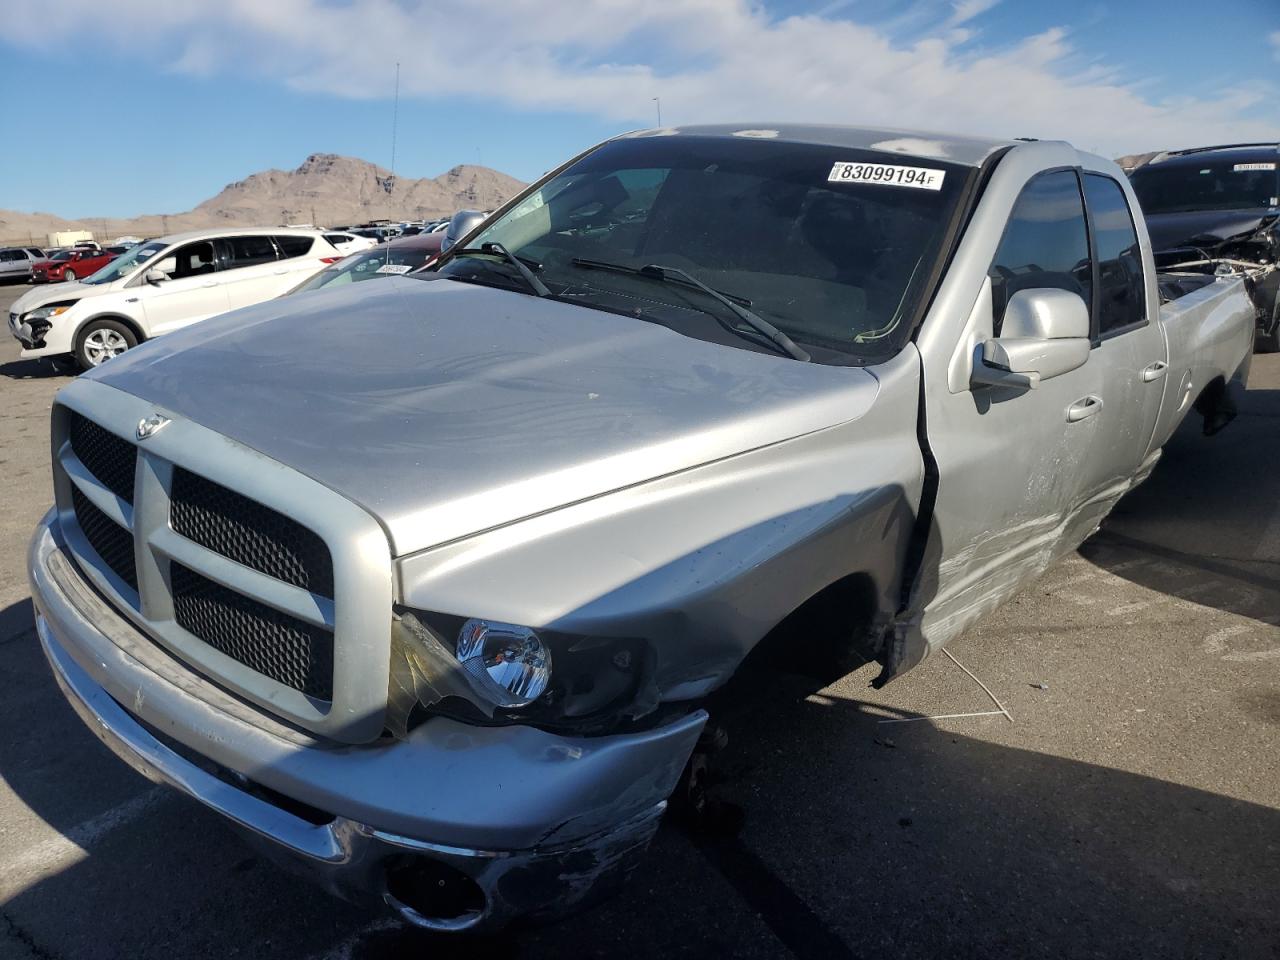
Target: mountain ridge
[[326, 189]]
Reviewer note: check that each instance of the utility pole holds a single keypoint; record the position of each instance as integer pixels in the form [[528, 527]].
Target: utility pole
[[395, 117], [658, 102]]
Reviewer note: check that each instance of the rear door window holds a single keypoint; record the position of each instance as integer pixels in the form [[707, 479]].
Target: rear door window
[[1045, 244], [294, 246], [249, 251], [1121, 282]]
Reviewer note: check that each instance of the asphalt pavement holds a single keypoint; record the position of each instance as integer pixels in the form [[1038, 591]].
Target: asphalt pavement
[[1130, 807]]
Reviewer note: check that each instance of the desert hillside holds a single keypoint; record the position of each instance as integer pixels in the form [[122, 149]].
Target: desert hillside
[[326, 189]]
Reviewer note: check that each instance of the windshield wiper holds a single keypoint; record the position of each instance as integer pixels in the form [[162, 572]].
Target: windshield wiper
[[520, 263], [676, 275]]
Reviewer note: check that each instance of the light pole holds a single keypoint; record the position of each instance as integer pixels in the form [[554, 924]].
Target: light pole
[[658, 103]]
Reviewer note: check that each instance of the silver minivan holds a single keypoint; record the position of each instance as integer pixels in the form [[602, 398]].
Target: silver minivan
[[15, 262]]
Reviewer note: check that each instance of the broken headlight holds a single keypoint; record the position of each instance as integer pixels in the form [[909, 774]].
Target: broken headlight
[[510, 661], [488, 672]]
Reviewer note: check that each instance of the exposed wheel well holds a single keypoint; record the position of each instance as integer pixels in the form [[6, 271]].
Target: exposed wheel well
[[829, 635], [1216, 405]]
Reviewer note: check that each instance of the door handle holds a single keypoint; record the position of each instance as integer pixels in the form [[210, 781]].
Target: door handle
[[282, 270], [1084, 408], [209, 283], [1154, 371]]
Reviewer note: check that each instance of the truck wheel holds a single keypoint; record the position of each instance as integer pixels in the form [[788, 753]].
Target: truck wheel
[[100, 340], [69, 276], [1269, 342]]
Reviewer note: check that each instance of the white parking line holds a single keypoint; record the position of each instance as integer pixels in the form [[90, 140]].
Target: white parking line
[[52, 856]]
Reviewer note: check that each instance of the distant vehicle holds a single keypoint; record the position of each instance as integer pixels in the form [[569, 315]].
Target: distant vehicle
[[16, 262], [347, 243], [74, 264], [394, 258], [1210, 203], [162, 285], [119, 248], [66, 238], [376, 234]]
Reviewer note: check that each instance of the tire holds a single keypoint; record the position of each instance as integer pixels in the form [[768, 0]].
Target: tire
[[100, 340], [1269, 342], [69, 276]]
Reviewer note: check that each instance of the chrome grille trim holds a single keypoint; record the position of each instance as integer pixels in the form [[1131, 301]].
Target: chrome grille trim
[[358, 615]]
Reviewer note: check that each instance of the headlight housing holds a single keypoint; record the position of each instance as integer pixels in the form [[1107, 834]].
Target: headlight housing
[[489, 672], [512, 661], [49, 311]]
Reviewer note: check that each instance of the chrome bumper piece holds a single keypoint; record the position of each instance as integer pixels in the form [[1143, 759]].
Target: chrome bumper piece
[[540, 824]]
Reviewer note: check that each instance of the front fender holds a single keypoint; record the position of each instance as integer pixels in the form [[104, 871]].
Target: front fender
[[703, 563]]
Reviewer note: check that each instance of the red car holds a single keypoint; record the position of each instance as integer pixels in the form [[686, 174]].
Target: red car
[[74, 264]]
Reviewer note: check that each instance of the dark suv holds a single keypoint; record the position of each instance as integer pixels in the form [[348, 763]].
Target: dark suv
[[1218, 202]]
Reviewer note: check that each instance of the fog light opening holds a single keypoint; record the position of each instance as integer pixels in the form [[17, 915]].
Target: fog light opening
[[433, 895]]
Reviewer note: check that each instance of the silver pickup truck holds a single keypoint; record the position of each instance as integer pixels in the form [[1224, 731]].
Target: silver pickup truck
[[426, 584]]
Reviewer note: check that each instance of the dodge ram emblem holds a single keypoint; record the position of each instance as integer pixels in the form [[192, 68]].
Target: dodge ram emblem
[[151, 425]]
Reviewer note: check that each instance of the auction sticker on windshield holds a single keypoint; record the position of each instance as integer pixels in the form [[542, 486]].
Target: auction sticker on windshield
[[1241, 167], [921, 178], [396, 268]]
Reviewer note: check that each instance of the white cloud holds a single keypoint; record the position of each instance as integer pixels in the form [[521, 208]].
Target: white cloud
[[720, 60], [965, 10]]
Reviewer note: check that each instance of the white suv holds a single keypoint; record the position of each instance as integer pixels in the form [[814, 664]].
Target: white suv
[[162, 285]]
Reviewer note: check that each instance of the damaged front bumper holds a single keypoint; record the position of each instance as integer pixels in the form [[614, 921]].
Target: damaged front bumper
[[455, 828]]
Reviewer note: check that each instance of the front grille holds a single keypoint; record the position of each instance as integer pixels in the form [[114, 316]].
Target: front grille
[[110, 541], [108, 457], [247, 532], [284, 648]]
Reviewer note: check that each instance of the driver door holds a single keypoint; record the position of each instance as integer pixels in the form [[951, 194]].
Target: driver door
[[1017, 468], [193, 291]]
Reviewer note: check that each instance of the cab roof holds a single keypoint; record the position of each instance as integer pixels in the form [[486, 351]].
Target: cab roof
[[1234, 152], [967, 151]]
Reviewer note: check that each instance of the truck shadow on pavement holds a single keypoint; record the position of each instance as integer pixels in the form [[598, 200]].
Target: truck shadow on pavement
[[860, 839], [1158, 536]]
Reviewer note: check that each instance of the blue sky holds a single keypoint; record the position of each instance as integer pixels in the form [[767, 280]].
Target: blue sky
[[138, 108]]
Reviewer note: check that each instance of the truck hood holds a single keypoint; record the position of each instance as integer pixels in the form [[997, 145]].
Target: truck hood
[[1202, 228], [61, 293], [446, 408]]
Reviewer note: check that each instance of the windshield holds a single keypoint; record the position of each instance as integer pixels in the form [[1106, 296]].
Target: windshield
[[835, 247], [126, 262], [1220, 185], [384, 261], [61, 255]]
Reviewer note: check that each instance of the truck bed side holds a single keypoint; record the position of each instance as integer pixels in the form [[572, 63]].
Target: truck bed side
[[1209, 340]]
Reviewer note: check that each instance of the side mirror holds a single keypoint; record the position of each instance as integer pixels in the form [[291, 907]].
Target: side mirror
[[161, 271], [462, 223], [1045, 334]]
